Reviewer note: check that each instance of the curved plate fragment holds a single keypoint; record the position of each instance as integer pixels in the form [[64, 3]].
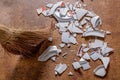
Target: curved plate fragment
[[48, 53], [100, 71], [94, 33]]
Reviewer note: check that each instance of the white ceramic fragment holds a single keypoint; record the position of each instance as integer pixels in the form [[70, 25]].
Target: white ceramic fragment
[[68, 45], [53, 58], [106, 51], [95, 55], [59, 51], [86, 49], [96, 44], [94, 33], [96, 21], [62, 24], [46, 12], [65, 37], [62, 45], [72, 40], [54, 7], [62, 29], [91, 14], [105, 61], [60, 68], [49, 5], [48, 53], [80, 13], [85, 65], [74, 35], [50, 39], [70, 74], [83, 21], [76, 65], [73, 29], [63, 11], [62, 19], [108, 32], [39, 11], [100, 71], [86, 56]]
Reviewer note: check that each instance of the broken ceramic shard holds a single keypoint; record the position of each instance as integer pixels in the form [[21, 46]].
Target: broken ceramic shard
[[106, 51], [96, 21], [105, 61], [62, 19], [60, 68], [62, 45], [63, 11], [48, 53], [80, 13], [100, 71], [54, 7], [96, 44], [86, 56], [72, 40], [64, 54], [39, 11], [95, 55], [94, 33], [49, 5], [70, 74], [53, 58], [73, 29], [76, 65], [65, 37], [85, 65], [50, 39], [86, 49], [108, 32]]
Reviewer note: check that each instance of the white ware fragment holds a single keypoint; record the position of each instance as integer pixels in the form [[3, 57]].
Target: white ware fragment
[[86, 49], [39, 11], [91, 14], [49, 5], [65, 37], [62, 45], [108, 32], [94, 33], [100, 71], [54, 7], [72, 40], [60, 68], [63, 11], [80, 13], [73, 29], [68, 45], [105, 61], [96, 44], [85, 65], [106, 51], [53, 58], [76, 65], [48, 53], [50, 39], [62, 19], [70, 74], [96, 21], [86, 56], [95, 55]]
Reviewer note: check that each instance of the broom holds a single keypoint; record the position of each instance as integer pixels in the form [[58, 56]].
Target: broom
[[26, 43]]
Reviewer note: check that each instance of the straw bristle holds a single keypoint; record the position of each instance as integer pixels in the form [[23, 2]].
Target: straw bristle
[[25, 43]]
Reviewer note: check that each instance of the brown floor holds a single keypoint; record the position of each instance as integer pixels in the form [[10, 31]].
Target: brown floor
[[21, 14]]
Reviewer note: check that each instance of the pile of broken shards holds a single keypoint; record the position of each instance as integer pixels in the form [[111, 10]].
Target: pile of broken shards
[[73, 20]]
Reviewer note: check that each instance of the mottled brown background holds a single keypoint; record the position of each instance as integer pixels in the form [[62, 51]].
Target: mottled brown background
[[21, 14]]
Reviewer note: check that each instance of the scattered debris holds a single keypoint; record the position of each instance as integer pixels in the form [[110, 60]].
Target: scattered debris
[[100, 71], [48, 53], [70, 74], [73, 20], [86, 56], [60, 68], [76, 65]]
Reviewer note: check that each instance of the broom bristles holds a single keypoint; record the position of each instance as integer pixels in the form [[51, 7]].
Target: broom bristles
[[26, 43]]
